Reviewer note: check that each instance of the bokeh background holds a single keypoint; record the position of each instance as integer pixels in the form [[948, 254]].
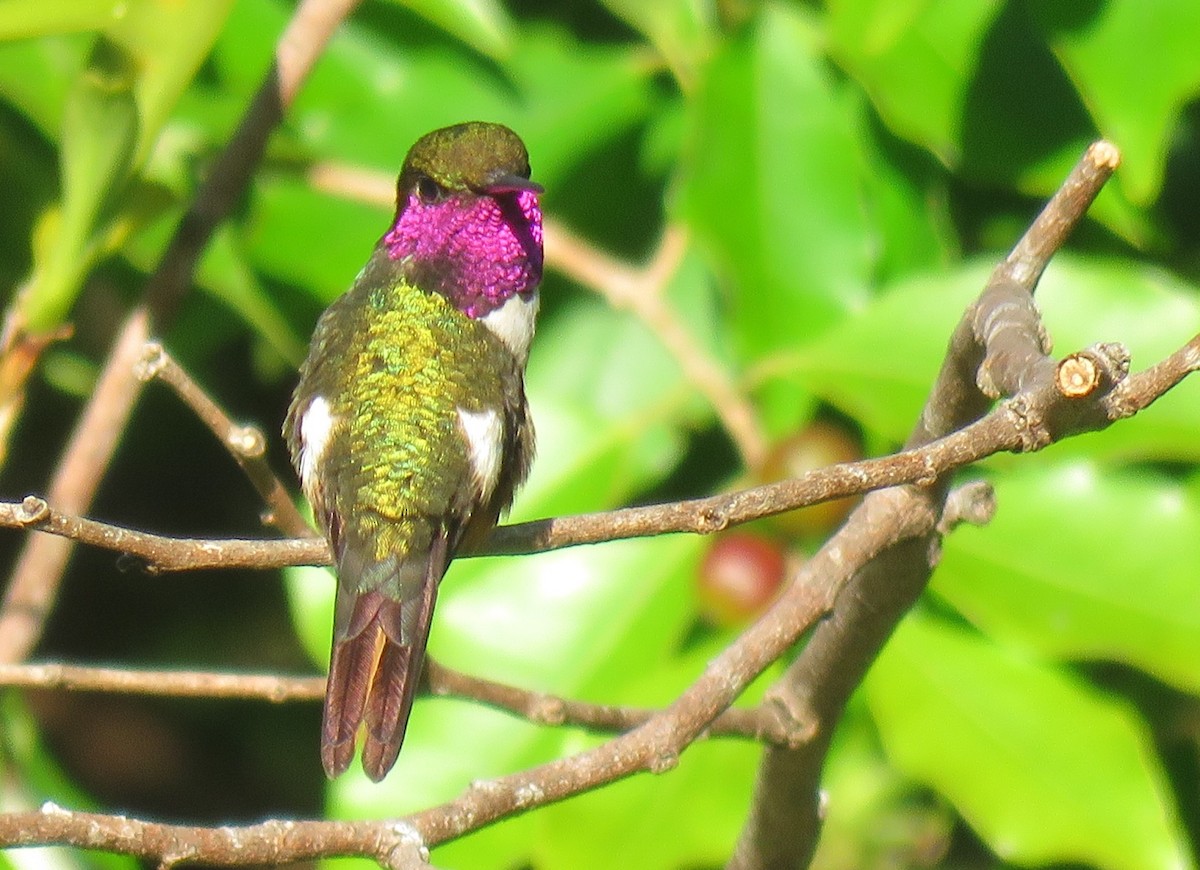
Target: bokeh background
[[845, 174]]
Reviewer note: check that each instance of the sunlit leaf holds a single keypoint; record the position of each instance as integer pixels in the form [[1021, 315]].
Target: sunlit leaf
[[36, 75], [1043, 767], [879, 365], [682, 30], [916, 60], [770, 184], [100, 134], [482, 24], [1098, 45], [1035, 576], [22, 19], [169, 42]]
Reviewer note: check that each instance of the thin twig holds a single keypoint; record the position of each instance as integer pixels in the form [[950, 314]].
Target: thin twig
[[273, 688], [643, 291], [759, 723], [245, 443], [1064, 211]]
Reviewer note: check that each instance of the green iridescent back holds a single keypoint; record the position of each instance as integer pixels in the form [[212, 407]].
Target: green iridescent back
[[396, 364]]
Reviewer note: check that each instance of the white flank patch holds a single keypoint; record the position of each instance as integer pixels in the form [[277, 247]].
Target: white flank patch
[[513, 323], [484, 433], [316, 428]]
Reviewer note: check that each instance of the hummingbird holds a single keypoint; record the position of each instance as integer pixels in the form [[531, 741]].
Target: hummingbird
[[409, 427]]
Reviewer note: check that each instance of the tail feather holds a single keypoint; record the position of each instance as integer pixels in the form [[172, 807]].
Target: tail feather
[[345, 699], [398, 676], [375, 670], [351, 665]]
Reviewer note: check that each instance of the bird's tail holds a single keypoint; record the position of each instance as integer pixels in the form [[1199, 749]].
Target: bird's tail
[[374, 671]]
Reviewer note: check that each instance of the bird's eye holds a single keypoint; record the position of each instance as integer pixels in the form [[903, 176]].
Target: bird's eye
[[428, 190]]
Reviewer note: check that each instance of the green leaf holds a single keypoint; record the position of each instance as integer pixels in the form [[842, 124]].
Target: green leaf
[[700, 802], [770, 183], [1044, 767], [906, 204], [36, 76], [225, 274], [874, 815], [22, 19], [136, 72], [287, 216], [908, 327], [337, 115], [1084, 300], [482, 24], [917, 61], [100, 133], [1099, 44], [1035, 576], [681, 30], [610, 90], [169, 41]]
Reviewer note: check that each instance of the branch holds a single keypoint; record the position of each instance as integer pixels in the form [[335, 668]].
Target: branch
[[998, 348], [540, 708], [1029, 421], [39, 568], [699, 516], [393, 845], [652, 746]]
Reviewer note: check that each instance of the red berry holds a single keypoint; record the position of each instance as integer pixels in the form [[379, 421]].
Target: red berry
[[739, 577]]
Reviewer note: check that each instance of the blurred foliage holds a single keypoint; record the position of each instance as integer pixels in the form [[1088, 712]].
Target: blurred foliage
[[848, 172]]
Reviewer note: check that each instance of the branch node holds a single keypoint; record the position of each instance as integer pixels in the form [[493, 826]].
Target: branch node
[[790, 725], [711, 520], [248, 441], [408, 850], [973, 503], [1028, 423], [529, 794], [929, 474], [33, 510], [151, 363], [547, 710], [663, 761]]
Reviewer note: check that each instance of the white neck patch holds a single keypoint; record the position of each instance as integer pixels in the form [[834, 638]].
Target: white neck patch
[[513, 323]]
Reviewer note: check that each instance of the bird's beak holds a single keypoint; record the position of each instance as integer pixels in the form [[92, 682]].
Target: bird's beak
[[508, 183]]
